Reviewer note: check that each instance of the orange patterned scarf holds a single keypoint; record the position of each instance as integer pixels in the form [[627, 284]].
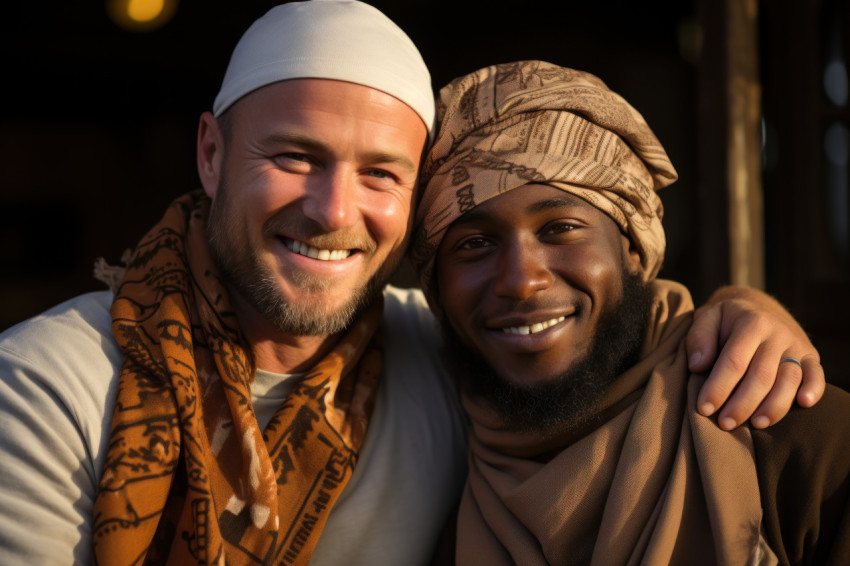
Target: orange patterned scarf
[[189, 477]]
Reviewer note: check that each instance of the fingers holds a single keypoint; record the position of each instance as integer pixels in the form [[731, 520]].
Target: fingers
[[760, 383], [702, 339], [767, 391], [777, 401], [814, 382], [732, 365], [748, 380]]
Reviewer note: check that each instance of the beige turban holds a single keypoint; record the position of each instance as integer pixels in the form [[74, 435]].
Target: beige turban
[[509, 125]]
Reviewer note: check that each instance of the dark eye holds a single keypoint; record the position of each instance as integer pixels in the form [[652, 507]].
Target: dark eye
[[559, 228], [474, 243]]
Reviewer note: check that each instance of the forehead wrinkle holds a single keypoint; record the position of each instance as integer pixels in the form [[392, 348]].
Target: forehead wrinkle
[[296, 138]]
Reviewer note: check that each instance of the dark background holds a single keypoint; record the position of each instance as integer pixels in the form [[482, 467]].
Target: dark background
[[98, 125]]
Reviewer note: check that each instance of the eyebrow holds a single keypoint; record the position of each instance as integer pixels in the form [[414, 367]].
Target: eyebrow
[[565, 201], [310, 143]]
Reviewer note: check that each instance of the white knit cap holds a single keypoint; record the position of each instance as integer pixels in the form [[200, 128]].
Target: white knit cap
[[344, 40]]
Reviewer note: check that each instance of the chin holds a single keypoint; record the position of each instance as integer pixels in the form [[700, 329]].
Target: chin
[[563, 400]]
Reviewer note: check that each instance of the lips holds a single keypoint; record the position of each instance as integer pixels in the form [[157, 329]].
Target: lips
[[533, 328], [526, 333], [529, 322], [306, 250]]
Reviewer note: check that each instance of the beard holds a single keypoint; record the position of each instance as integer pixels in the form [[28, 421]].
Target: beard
[[244, 273], [574, 397]]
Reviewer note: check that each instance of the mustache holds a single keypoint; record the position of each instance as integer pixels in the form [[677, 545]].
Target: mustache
[[311, 233]]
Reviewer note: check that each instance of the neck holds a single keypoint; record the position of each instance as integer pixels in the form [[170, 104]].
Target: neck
[[289, 354], [276, 351]]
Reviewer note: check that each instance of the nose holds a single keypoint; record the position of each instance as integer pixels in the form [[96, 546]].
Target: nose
[[331, 200], [522, 271]]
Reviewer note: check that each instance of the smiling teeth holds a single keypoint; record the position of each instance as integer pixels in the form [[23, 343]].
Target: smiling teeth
[[537, 327], [324, 255]]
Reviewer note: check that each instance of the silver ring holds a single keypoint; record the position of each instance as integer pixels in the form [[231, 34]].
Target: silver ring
[[792, 360]]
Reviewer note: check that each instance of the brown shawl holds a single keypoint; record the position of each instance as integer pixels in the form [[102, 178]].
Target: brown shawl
[[650, 482], [189, 477]]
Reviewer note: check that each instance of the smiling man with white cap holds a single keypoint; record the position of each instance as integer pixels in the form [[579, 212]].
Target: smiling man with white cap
[[249, 375], [250, 392]]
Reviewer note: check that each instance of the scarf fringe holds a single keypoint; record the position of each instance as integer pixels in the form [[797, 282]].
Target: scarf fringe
[[112, 275]]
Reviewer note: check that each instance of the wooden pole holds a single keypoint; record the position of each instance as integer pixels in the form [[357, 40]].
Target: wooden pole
[[746, 210]]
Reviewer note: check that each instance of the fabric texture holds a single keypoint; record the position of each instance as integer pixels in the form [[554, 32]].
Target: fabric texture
[[189, 476], [509, 125], [58, 382], [343, 40], [641, 484], [804, 475]]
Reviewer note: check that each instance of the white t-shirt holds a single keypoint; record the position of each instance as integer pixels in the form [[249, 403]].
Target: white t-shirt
[[58, 379]]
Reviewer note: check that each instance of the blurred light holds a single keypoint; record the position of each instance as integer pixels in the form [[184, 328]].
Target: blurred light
[[836, 144], [144, 10], [835, 82], [141, 15], [769, 145], [689, 36]]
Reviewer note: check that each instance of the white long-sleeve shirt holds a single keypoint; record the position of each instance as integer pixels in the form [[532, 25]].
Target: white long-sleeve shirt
[[58, 381]]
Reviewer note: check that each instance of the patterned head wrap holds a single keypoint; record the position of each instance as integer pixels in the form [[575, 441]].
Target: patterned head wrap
[[509, 125], [342, 40]]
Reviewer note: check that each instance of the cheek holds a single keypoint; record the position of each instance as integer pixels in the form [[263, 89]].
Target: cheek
[[388, 215], [596, 270], [603, 274], [461, 288], [260, 187]]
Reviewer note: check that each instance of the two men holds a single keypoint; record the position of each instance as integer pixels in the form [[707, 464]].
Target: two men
[[249, 394], [539, 243]]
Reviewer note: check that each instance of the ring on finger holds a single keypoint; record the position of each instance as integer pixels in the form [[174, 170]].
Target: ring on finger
[[792, 360]]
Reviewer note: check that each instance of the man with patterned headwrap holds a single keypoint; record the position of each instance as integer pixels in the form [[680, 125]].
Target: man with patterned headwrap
[[538, 240], [213, 409]]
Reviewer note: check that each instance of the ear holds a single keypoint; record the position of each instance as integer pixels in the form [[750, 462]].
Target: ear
[[631, 255], [210, 153]]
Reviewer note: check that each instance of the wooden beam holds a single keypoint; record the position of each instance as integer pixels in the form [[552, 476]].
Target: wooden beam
[[745, 198]]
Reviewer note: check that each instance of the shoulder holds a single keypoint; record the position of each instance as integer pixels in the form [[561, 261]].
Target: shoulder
[[58, 378], [811, 444], [803, 464], [409, 324], [83, 318], [68, 350], [412, 344], [408, 307], [810, 436]]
